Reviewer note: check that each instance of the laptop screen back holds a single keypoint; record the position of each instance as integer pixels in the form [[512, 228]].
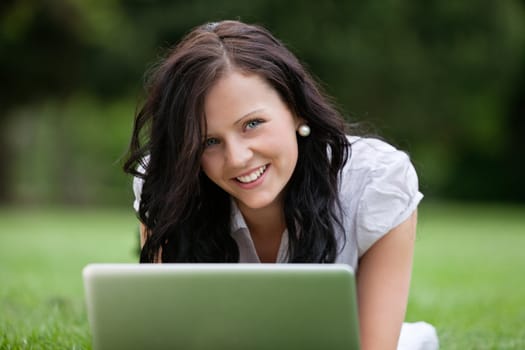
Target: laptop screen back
[[221, 306]]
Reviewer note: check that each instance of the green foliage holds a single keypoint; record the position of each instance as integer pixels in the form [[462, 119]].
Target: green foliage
[[70, 151], [443, 80], [465, 282]]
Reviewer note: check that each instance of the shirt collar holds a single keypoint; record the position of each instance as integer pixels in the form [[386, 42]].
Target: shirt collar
[[237, 220]]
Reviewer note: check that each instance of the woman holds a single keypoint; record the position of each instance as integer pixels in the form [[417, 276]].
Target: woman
[[239, 157]]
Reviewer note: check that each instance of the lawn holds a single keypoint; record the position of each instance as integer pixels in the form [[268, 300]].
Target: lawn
[[468, 276]]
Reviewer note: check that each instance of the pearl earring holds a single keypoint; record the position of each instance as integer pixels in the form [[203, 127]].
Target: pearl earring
[[304, 130]]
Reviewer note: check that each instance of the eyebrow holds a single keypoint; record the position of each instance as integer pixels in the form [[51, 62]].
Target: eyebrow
[[259, 110]]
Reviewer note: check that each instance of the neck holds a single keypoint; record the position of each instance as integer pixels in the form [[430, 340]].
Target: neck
[[266, 227], [267, 222]]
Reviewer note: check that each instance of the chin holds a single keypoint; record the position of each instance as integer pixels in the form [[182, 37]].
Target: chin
[[257, 204]]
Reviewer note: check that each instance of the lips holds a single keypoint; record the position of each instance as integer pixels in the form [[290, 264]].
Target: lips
[[253, 176]]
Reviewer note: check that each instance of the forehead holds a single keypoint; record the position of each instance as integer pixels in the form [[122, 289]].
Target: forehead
[[236, 94]]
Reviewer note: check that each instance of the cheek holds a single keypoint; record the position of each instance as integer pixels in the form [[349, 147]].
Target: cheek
[[209, 166], [289, 147], [293, 153]]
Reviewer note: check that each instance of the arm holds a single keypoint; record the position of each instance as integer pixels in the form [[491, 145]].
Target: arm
[[143, 234], [383, 281]]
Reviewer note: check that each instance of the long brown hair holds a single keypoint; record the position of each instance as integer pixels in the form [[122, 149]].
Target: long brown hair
[[188, 216]]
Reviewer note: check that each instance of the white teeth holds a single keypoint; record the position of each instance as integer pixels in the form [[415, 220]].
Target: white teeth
[[253, 176]]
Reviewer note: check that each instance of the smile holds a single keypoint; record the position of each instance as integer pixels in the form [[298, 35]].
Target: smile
[[252, 176]]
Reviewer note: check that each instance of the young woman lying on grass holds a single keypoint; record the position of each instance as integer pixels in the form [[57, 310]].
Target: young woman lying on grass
[[238, 156]]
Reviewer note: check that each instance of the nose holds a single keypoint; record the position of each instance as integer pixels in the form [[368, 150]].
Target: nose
[[237, 153]]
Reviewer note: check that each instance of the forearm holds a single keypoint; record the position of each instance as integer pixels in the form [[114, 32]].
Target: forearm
[[383, 282], [143, 235]]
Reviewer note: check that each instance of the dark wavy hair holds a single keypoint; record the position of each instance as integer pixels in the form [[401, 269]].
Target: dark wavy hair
[[187, 216]]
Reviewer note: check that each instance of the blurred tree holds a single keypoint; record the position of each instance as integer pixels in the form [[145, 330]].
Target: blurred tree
[[442, 79], [40, 56], [48, 52]]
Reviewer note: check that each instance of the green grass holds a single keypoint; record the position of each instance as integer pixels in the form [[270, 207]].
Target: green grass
[[42, 253], [468, 275]]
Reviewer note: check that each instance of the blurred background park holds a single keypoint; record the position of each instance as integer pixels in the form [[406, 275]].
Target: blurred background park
[[443, 80]]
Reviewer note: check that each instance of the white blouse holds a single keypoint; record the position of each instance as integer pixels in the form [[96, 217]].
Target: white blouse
[[378, 191]]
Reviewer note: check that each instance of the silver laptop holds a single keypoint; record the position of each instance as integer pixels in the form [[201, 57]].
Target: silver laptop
[[221, 306]]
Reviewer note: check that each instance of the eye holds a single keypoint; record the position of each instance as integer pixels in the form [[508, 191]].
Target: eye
[[252, 124], [211, 142]]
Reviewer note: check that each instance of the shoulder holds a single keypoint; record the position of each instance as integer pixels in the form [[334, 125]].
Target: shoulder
[[370, 154], [374, 160], [379, 189]]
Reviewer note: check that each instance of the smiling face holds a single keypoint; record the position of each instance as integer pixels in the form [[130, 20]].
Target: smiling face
[[251, 145]]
